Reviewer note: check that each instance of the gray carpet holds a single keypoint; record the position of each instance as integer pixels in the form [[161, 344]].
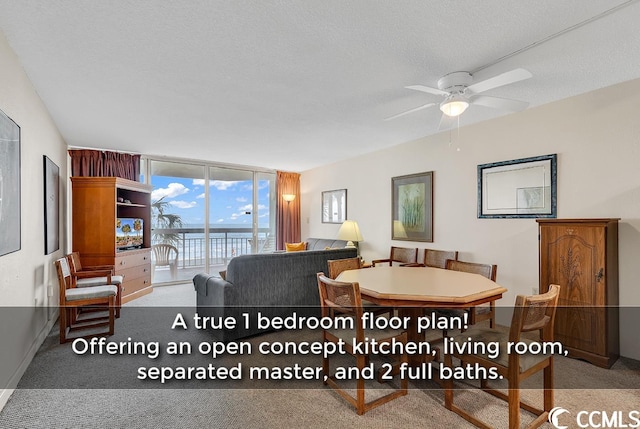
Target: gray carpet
[[53, 391]]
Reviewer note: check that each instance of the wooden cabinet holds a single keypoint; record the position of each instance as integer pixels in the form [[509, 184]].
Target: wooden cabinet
[[97, 203], [581, 255]]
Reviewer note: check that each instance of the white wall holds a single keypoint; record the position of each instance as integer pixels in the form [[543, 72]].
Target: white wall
[[26, 275], [597, 139]]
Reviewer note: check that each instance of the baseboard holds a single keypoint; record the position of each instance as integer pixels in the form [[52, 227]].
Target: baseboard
[[5, 394]]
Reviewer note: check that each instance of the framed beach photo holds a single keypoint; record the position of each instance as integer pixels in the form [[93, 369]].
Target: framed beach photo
[[334, 206], [412, 207]]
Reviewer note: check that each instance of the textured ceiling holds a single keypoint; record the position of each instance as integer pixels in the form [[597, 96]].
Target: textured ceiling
[[292, 85]]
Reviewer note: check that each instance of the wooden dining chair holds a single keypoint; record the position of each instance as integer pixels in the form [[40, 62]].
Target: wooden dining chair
[[435, 258], [402, 255], [531, 313], [338, 299], [97, 275], [336, 266], [72, 298], [77, 262], [483, 312]]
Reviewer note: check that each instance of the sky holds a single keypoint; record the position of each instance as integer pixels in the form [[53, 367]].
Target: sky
[[231, 201]]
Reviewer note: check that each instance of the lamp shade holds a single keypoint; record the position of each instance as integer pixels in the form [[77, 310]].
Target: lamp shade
[[349, 231], [454, 105], [288, 197]]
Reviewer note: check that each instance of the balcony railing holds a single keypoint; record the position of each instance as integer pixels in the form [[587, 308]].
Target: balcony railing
[[223, 244]]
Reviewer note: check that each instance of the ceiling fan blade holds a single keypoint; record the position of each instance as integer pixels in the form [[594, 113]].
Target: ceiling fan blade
[[427, 89], [424, 106], [499, 103], [447, 122], [505, 78]]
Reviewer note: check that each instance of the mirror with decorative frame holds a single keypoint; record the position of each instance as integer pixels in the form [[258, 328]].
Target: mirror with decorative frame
[[520, 188]]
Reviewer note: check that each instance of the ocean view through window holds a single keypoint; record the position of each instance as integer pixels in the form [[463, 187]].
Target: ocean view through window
[[238, 204]]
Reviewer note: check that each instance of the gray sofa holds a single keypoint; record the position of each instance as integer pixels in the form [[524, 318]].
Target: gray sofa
[[274, 284], [324, 243]]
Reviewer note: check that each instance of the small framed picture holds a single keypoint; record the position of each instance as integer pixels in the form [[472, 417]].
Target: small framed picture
[[334, 206], [412, 207]]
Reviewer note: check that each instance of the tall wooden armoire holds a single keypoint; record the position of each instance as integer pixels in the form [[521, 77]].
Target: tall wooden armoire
[[581, 255]]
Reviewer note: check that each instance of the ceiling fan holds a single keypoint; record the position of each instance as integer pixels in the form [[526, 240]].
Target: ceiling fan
[[460, 91]]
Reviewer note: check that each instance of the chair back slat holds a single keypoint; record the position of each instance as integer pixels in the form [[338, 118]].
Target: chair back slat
[[535, 317], [343, 297], [535, 313], [64, 278], [404, 255], [74, 261], [438, 258], [64, 273], [336, 266], [487, 270]]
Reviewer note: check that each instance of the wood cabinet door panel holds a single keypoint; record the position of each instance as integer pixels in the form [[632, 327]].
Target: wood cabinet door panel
[[575, 327], [574, 258]]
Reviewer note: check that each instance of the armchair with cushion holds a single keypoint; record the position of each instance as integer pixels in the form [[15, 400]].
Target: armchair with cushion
[[95, 275], [73, 298], [74, 257]]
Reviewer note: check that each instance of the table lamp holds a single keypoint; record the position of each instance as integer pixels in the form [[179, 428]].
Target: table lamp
[[350, 232]]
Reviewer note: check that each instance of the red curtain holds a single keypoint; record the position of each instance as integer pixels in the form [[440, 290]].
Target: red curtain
[[287, 213], [96, 163]]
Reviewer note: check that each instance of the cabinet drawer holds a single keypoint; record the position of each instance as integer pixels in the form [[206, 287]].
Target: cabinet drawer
[[132, 259], [134, 272], [135, 285]]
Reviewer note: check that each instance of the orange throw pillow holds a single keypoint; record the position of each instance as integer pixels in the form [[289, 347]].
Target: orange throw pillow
[[295, 247]]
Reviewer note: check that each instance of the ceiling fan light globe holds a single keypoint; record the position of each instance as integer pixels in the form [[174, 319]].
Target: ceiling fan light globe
[[454, 106]]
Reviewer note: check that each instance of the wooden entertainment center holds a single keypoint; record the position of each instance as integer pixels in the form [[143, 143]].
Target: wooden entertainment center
[[97, 203]]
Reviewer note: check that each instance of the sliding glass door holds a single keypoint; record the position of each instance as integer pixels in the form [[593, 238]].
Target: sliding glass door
[[230, 214], [178, 220], [266, 213], [207, 215]]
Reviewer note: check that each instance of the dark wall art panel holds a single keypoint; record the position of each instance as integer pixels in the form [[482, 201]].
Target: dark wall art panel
[[9, 185], [51, 206]]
